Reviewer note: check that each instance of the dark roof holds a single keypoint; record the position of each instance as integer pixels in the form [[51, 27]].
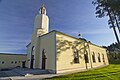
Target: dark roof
[[83, 39], [28, 44], [12, 54]]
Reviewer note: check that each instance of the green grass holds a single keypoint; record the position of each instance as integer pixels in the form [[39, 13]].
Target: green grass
[[111, 72]]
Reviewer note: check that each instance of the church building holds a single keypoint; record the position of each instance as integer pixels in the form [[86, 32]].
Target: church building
[[60, 53]]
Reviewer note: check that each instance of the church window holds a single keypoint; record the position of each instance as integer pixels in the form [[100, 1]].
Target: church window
[[32, 51], [93, 57], [99, 57], [76, 56], [103, 57], [86, 57]]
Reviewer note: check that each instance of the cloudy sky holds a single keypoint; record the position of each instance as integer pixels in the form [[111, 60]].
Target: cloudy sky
[[68, 16]]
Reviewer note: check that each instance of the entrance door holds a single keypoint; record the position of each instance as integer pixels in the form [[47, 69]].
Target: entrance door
[[23, 64], [32, 62], [32, 58], [43, 59]]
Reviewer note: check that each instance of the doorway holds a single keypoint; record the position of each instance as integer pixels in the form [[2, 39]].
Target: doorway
[[44, 59], [32, 62], [32, 58], [23, 64]]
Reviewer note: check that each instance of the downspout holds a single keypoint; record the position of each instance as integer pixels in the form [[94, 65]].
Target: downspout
[[89, 54]]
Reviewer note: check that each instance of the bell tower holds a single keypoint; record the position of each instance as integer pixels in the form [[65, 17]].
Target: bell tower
[[41, 23], [41, 27]]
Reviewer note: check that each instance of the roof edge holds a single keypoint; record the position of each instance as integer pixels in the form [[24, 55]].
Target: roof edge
[[11, 54]]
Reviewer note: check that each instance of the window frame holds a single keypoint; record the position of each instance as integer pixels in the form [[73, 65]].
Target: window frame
[[99, 60], [76, 57], [93, 57], [86, 57]]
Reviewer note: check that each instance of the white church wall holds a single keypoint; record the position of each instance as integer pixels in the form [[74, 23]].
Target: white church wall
[[65, 54], [98, 50], [45, 23], [28, 55], [48, 42]]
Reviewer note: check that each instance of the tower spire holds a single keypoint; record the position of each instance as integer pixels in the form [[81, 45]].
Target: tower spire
[[42, 9], [42, 1]]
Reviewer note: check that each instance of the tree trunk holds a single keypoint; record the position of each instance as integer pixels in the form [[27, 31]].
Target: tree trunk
[[113, 26], [117, 24]]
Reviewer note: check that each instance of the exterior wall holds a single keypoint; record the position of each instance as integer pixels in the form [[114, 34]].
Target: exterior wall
[[42, 23], [28, 55], [47, 42], [65, 53], [45, 23], [37, 54], [36, 33], [66, 46], [101, 51], [8, 58]]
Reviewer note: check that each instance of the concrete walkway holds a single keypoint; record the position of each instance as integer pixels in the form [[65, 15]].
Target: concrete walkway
[[24, 74], [37, 76], [33, 77]]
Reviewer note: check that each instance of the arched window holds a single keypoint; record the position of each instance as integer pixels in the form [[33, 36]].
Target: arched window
[[44, 54], [99, 57], [103, 58], [93, 57], [76, 56], [32, 50], [44, 59], [32, 55], [32, 58], [86, 57]]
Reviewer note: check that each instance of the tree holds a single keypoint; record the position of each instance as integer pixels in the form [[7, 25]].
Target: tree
[[114, 51], [108, 8]]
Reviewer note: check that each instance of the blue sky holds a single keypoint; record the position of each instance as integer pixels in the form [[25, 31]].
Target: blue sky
[[68, 16]]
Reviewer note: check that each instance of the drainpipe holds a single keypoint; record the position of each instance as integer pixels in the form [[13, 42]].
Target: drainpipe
[[89, 53]]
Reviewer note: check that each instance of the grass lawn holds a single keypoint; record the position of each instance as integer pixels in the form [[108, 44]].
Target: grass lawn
[[111, 72]]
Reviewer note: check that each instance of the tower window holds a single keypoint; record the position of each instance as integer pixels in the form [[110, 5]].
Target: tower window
[[93, 57], [99, 57], [86, 57], [76, 56]]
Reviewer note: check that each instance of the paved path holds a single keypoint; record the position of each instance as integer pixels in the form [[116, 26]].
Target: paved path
[[19, 74], [33, 77]]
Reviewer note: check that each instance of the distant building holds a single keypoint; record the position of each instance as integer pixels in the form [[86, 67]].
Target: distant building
[[8, 61], [59, 52]]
